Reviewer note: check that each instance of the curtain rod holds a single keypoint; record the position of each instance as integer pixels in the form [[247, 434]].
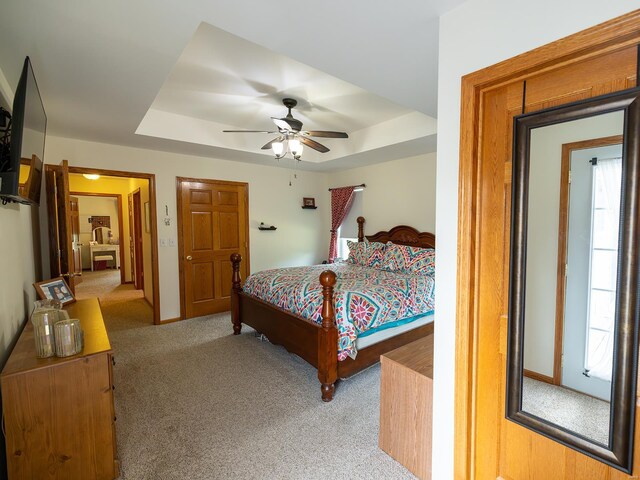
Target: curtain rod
[[362, 185]]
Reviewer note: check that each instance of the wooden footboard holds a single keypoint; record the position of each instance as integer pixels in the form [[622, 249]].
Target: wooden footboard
[[317, 344]]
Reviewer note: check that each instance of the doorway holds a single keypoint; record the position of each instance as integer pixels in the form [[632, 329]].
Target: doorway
[[104, 235], [213, 223]]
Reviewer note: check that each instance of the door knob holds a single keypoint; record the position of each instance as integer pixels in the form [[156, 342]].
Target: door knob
[[189, 257]]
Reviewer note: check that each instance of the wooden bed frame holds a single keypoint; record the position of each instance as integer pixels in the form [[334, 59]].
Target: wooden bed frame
[[318, 344]]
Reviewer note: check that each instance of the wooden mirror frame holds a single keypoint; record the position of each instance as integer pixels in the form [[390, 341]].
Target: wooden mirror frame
[[619, 452]]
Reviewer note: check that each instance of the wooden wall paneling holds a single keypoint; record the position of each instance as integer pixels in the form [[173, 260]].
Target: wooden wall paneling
[[487, 445]]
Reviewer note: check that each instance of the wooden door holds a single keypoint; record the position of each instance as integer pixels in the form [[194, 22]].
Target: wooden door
[[61, 247], [132, 254], [138, 275], [75, 239], [213, 224], [488, 446]]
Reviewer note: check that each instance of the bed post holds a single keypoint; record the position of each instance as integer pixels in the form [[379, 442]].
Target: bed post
[[328, 339], [360, 221], [236, 289]]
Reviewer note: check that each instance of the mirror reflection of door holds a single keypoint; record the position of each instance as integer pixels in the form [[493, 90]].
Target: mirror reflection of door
[[592, 253], [572, 232]]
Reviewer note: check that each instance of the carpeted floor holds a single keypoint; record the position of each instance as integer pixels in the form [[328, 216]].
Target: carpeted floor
[[573, 410], [195, 402]]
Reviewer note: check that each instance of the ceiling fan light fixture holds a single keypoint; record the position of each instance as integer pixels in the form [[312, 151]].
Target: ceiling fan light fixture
[[295, 147], [291, 137], [278, 149]]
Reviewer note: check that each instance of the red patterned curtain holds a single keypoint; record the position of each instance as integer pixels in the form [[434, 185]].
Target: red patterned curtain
[[341, 200]]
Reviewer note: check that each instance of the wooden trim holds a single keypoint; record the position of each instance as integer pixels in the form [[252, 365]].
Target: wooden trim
[[154, 225], [561, 271], [120, 225], [539, 376], [563, 237], [180, 226], [170, 320], [210, 180], [52, 213], [137, 242], [606, 37]]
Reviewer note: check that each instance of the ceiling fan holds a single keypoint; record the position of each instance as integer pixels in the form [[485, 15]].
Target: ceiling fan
[[291, 137]]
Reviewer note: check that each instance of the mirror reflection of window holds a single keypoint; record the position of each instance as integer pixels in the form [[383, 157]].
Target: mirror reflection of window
[[592, 253], [607, 181]]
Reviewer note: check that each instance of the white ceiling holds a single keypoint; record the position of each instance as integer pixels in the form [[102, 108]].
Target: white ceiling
[[100, 65]]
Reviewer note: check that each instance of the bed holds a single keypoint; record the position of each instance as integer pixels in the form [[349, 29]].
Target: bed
[[291, 309]]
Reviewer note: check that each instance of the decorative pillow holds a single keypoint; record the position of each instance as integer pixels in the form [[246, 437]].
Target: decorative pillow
[[421, 261], [367, 254]]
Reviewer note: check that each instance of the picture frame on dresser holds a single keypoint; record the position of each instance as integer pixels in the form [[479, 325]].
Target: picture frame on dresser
[[55, 289]]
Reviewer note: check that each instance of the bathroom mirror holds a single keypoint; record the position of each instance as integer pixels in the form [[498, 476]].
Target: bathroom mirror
[[102, 235], [573, 287]]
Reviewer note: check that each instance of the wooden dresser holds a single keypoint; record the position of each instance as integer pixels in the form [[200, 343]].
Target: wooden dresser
[[406, 405], [58, 412]]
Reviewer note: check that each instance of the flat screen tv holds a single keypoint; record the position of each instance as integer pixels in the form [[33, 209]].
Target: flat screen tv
[[22, 135]]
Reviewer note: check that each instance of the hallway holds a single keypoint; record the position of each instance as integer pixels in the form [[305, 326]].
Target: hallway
[[123, 306]]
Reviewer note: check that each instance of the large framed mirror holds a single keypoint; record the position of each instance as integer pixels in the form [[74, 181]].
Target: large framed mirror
[[572, 354]]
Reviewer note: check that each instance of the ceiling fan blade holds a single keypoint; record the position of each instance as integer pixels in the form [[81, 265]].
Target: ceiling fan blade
[[326, 134], [313, 144], [282, 124], [267, 146], [247, 131]]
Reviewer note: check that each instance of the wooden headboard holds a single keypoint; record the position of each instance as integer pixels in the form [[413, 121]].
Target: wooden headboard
[[400, 235]]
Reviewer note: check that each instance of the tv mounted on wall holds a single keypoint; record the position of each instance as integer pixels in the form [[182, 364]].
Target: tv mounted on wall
[[22, 135]]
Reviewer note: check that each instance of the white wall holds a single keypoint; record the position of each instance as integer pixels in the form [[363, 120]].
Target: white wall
[[475, 35], [542, 230], [399, 192], [301, 238], [20, 267]]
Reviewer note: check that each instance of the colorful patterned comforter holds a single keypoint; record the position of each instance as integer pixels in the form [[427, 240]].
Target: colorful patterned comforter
[[365, 298]]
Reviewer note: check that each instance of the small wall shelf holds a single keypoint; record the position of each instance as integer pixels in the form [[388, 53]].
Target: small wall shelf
[[309, 207], [264, 227]]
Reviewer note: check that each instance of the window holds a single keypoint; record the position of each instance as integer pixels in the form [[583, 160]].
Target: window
[[349, 228], [605, 215]]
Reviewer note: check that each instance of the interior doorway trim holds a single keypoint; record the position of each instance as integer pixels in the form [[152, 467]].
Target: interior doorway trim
[[154, 225], [604, 38], [118, 197]]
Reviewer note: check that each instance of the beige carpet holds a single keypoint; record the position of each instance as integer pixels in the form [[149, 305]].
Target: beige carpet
[[195, 402], [122, 304]]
